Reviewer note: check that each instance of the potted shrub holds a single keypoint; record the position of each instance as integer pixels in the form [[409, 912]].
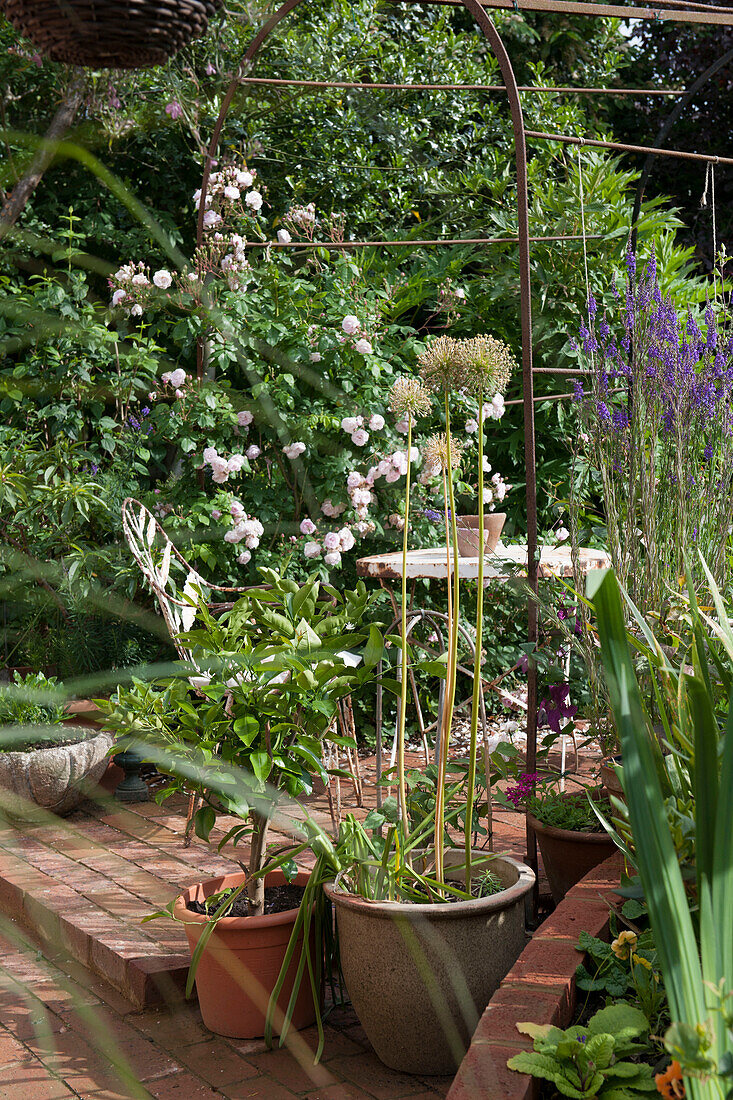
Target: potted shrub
[[427, 930], [571, 837], [245, 734], [48, 762]]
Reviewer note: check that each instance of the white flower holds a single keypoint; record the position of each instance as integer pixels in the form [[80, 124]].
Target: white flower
[[315, 357], [487, 465], [253, 452], [350, 324], [140, 279], [254, 200], [210, 454], [363, 347], [245, 179], [402, 426], [137, 310], [351, 424], [496, 408], [359, 438], [333, 510], [283, 236], [244, 418], [165, 378], [333, 557], [118, 296], [396, 520], [364, 527], [178, 378], [231, 192], [488, 496], [219, 468], [307, 526], [460, 292], [414, 454], [193, 277], [244, 557], [292, 450], [332, 541], [376, 422], [215, 513], [235, 463], [211, 218], [399, 461], [233, 536], [123, 275], [162, 279], [312, 549], [561, 534], [346, 540], [361, 496], [471, 426], [392, 475], [237, 511], [353, 480]]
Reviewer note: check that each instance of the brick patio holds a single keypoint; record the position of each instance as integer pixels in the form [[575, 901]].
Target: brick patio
[[104, 982]]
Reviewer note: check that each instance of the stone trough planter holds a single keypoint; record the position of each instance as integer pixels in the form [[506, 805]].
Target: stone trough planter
[[52, 780]]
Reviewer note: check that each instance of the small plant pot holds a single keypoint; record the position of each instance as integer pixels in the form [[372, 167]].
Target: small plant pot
[[568, 855], [610, 777], [242, 960], [419, 976], [467, 532], [52, 780]]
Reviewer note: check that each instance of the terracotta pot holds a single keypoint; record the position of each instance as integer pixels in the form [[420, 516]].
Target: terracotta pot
[[610, 777], [52, 780], [567, 855], [467, 531], [242, 960], [419, 976]]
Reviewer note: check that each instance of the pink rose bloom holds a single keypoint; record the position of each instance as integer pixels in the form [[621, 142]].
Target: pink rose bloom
[[376, 422], [346, 540], [307, 526], [215, 513], [332, 558], [471, 426], [350, 324], [174, 109], [332, 541], [244, 418], [352, 424], [235, 463], [353, 480], [402, 427], [363, 347], [312, 550], [244, 557], [253, 452], [360, 437]]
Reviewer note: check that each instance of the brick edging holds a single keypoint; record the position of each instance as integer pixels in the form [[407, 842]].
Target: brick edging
[[540, 988]]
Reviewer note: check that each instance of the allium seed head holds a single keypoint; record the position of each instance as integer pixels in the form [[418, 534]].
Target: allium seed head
[[487, 363], [409, 397], [435, 453], [441, 366]]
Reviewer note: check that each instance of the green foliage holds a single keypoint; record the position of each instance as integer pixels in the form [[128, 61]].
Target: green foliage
[[568, 811], [593, 1060], [696, 961], [31, 700]]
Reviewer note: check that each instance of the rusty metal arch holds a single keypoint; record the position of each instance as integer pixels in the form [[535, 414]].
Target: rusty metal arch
[[491, 34]]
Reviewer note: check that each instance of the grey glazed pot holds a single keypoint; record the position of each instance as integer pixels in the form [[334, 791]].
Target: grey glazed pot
[[419, 976], [51, 780]]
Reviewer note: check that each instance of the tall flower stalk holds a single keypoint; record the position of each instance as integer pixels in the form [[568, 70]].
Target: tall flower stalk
[[408, 399], [657, 416], [441, 368], [488, 364]]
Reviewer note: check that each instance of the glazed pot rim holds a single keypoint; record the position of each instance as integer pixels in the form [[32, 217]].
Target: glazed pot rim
[[586, 837], [267, 920], [93, 735], [443, 910]]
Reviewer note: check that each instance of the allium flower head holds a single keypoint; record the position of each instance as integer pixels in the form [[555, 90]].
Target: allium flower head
[[409, 397], [435, 452], [441, 365], [487, 362]]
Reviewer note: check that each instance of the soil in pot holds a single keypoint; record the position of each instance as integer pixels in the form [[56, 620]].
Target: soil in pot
[[569, 854], [242, 960], [419, 976], [467, 533], [278, 899]]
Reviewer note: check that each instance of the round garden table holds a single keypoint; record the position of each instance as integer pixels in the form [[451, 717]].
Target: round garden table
[[506, 563]]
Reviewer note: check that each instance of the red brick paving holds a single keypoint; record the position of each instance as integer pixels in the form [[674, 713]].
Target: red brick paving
[[81, 889]]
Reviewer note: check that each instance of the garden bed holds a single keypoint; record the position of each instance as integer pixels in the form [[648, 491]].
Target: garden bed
[[540, 988]]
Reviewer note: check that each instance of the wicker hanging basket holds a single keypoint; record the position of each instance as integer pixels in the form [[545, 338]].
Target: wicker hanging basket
[[109, 34]]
